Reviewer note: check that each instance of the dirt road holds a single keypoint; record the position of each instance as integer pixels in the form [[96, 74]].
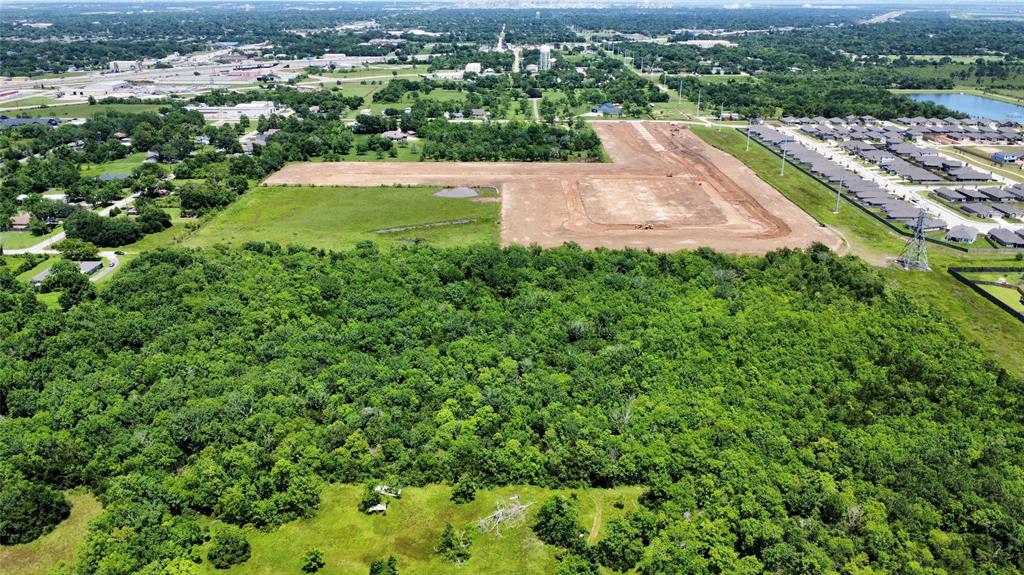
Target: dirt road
[[665, 189]]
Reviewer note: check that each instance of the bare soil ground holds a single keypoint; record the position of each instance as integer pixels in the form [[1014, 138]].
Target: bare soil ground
[[665, 189]]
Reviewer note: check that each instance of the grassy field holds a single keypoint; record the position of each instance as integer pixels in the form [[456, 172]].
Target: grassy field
[[56, 549], [996, 332], [179, 226], [17, 240], [123, 166], [944, 71], [1007, 294], [84, 110], [350, 540], [337, 218], [373, 71], [27, 101]]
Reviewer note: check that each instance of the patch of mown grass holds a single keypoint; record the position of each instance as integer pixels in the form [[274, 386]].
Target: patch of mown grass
[[123, 166], [83, 110], [340, 217]]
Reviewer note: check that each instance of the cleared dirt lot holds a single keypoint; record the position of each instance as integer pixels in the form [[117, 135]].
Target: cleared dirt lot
[[665, 189]]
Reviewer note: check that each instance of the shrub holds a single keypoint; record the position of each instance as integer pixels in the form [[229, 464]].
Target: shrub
[[313, 561], [28, 509], [557, 524], [453, 546], [464, 491], [229, 547]]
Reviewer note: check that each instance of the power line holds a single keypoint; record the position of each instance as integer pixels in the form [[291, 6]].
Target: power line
[[915, 253]]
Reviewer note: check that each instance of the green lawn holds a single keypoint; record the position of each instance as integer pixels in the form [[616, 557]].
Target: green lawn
[[56, 550], [989, 327], [944, 71], [34, 271], [84, 110], [19, 240], [377, 71], [350, 540], [1007, 295], [407, 152], [27, 101], [123, 166], [337, 218]]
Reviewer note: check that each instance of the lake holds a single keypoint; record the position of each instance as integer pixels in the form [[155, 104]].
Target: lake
[[974, 106]]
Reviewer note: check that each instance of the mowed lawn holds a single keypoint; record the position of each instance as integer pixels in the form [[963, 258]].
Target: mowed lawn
[[20, 239], [55, 549], [339, 217], [123, 166], [84, 110], [350, 540]]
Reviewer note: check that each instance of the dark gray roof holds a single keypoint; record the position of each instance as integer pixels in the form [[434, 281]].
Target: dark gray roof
[[109, 177], [1006, 237], [6, 122], [965, 234]]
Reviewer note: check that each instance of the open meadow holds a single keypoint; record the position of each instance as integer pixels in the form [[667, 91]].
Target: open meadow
[[411, 527], [340, 217]]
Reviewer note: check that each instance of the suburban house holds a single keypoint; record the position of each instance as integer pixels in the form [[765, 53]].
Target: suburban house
[[1005, 157], [609, 109], [85, 268], [979, 210], [21, 221], [1005, 237], [962, 234], [950, 195]]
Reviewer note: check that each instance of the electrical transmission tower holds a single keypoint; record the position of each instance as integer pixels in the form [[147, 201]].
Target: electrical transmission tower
[[915, 253]]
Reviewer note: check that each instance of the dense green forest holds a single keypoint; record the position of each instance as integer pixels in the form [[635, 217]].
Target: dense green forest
[[826, 94], [788, 414]]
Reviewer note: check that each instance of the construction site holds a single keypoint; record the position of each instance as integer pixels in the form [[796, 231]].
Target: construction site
[[664, 189]]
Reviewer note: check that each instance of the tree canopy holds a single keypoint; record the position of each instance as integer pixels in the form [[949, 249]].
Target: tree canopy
[[792, 413]]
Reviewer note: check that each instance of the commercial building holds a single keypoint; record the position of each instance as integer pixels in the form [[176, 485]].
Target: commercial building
[[104, 88], [251, 110]]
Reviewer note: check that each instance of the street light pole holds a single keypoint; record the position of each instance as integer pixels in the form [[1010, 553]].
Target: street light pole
[[748, 135], [782, 171]]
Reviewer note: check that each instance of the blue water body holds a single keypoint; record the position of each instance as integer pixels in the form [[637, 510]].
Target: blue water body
[[974, 106]]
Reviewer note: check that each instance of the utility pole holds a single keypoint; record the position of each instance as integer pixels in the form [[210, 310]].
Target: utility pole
[[838, 191], [782, 171], [698, 100], [721, 116], [749, 124]]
